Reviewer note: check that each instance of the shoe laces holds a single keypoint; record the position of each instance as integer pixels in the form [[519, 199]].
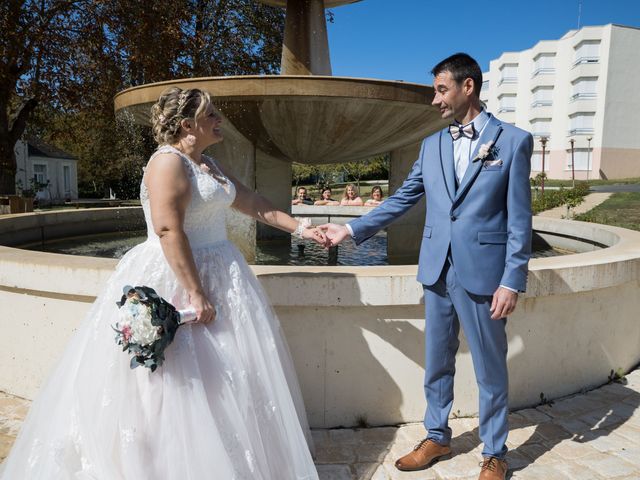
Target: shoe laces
[[422, 444], [490, 464]]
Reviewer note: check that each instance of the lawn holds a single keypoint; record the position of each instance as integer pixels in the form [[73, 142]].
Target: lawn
[[567, 183], [621, 210]]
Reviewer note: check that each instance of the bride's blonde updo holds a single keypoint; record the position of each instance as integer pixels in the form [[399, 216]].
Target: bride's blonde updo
[[173, 106]]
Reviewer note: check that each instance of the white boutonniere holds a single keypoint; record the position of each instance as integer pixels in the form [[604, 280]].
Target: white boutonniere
[[484, 151]]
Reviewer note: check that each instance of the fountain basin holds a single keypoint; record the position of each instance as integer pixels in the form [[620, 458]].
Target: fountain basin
[[309, 119], [358, 326]]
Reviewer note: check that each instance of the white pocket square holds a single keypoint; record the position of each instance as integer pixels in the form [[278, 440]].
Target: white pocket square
[[493, 163]]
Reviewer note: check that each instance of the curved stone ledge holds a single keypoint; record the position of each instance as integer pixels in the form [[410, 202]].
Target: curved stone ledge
[[356, 332]]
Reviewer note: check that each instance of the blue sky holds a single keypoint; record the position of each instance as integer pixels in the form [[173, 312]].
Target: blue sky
[[403, 39]]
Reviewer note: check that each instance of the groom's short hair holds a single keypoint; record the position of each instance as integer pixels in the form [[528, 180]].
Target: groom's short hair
[[461, 66]]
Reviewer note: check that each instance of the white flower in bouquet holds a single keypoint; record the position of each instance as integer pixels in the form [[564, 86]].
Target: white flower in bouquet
[[136, 318]]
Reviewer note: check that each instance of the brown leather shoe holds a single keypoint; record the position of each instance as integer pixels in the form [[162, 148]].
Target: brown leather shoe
[[492, 468], [425, 454]]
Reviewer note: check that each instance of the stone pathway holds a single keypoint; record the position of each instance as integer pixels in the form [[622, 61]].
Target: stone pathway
[[591, 200], [591, 436]]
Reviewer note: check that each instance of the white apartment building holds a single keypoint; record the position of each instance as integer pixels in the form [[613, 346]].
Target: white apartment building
[[585, 88]]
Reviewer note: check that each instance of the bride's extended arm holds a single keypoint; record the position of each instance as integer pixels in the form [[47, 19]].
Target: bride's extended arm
[[169, 194], [255, 205]]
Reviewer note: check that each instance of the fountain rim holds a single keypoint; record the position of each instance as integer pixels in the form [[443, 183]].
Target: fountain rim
[[265, 86], [622, 245]]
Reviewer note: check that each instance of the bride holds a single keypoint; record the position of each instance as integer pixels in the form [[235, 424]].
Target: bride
[[226, 403]]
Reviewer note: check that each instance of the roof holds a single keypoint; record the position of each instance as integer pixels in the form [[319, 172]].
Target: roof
[[37, 147]]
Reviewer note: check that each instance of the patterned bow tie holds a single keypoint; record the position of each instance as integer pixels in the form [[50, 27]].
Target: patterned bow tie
[[458, 131]]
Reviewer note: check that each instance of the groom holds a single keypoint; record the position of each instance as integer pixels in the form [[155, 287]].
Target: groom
[[473, 259]]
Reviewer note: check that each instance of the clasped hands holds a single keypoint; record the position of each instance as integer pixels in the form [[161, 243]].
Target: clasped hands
[[327, 235]]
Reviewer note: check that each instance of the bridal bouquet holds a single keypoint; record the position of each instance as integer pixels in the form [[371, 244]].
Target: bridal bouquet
[[147, 325]]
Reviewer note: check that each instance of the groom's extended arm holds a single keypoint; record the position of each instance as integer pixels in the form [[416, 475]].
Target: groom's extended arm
[[396, 205]]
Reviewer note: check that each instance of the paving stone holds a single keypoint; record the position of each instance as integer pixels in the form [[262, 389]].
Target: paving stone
[[523, 435], [6, 441], [630, 433], [372, 452], [571, 449], [552, 432], [541, 472], [370, 471], [533, 416], [630, 455], [606, 442], [395, 474], [412, 433], [575, 471], [607, 466], [334, 472], [459, 466], [335, 454], [344, 436], [378, 435]]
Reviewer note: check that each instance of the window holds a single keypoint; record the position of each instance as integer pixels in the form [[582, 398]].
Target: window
[[66, 177], [587, 51], [542, 97], [581, 157], [485, 86], [541, 127], [509, 73], [584, 87], [39, 173], [581, 123], [507, 103], [544, 64]]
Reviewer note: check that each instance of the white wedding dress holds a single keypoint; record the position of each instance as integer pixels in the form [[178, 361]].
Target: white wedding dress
[[224, 405]]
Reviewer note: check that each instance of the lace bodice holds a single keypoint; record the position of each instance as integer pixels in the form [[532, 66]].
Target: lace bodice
[[211, 194]]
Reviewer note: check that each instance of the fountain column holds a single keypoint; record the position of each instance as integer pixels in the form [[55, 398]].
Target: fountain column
[[404, 235], [305, 50]]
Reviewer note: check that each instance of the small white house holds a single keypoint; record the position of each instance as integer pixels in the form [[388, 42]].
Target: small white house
[[41, 164]]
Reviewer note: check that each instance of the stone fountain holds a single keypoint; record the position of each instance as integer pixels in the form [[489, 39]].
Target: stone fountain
[[306, 115]]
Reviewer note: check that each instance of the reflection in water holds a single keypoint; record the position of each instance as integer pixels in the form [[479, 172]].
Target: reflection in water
[[269, 252]]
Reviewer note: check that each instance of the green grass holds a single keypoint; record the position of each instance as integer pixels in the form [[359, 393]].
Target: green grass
[[621, 210], [568, 183]]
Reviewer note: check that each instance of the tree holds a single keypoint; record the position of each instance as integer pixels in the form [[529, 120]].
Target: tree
[[128, 43], [36, 60]]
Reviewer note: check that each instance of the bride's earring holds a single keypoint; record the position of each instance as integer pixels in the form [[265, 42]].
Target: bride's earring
[[190, 140]]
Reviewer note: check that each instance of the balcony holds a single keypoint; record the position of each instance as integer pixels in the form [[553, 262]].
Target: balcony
[[508, 80], [583, 60], [581, 131], [541, 133], [582, 105], [545, 111], [584, 70], [506, 109], [542, 81], [543, 71], [541, 103], [582, 96]]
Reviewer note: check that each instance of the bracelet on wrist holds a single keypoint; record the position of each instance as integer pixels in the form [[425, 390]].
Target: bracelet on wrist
[[303, 224]]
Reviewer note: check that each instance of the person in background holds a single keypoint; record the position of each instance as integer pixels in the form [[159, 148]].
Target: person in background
[[301, 197], [350, 197], [325, 198], [376, 197]]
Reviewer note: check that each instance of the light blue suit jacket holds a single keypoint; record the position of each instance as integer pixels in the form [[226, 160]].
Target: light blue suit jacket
[[486, 221]]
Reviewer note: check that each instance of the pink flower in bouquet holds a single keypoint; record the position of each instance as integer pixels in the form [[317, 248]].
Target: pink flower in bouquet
[[205, 168], [126, 333]]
